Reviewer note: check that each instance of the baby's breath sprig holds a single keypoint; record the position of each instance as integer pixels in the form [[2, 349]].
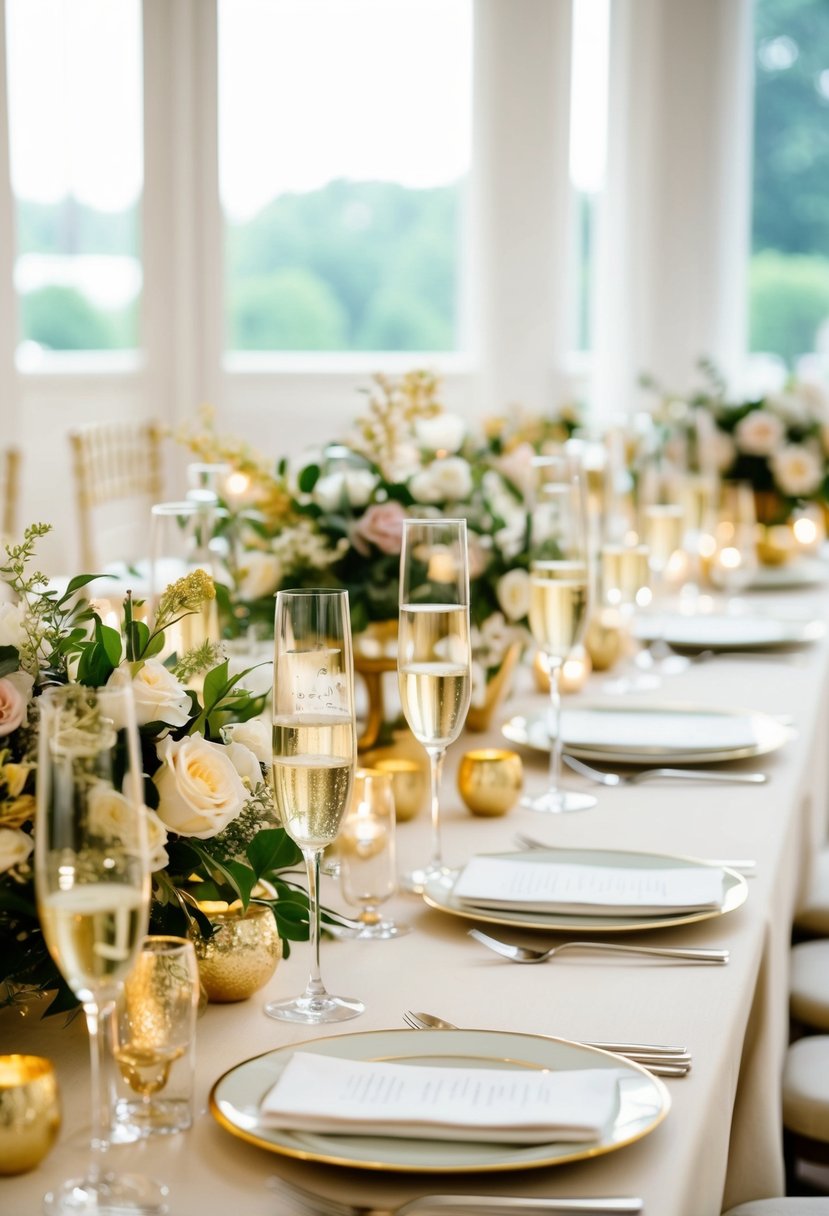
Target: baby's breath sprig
[[200, 659]]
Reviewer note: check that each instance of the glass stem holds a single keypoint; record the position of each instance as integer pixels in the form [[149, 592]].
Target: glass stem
[[555, 725], [315, 986], [97, 1021], [436, 758]]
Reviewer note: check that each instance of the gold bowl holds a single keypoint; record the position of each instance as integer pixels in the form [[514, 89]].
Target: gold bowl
[[490, 780], [242, 954], [408, 783], [29, 1112]]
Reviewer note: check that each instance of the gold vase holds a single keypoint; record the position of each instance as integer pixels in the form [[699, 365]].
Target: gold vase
[[479, 717], [242, 954], [29, 1112]]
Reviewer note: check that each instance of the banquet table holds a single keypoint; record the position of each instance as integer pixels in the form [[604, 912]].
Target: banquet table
[[720, 1143]]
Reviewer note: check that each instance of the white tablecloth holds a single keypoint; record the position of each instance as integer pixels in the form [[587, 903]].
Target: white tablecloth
[[720, 1143]]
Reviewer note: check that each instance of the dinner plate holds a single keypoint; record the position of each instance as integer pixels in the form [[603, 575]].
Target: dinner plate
[[236, 1096], [438, 894], [728, 631], [766, 734], [803, 572]]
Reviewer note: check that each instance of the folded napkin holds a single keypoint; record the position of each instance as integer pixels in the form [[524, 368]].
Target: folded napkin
[[540, 886], [716, 630], [372, 1098], [677, 731]]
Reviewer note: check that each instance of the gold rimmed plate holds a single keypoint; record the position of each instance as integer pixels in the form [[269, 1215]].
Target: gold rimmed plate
[[801, 572], [760, 733], [729, 631], [643, 1101], [438, 894]]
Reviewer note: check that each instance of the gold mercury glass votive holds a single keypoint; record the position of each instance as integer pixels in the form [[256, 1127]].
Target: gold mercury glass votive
[[490, 780], [408, 783], [242, 954], [29, 1112]]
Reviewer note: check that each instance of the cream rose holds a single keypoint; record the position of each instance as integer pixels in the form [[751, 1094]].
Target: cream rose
[[12, 632], [759, 433], [254, 735], [448, 480], [352, 488], [513, 592], [15, 847], [199, 789], [113, 818], [15, 694], [443, 433], [158, 695], [259, 575], [797, 470], [245, 763]]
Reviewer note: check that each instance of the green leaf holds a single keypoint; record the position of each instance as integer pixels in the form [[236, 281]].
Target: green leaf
[[272, 849], [75, 584], [308, 478], [9, 660], [140, 636], [154, 646], [110, 639], [214, 685]]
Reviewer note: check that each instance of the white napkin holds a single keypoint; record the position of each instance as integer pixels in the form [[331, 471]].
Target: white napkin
[[717, 630], [530, 886], [673, 731], [372, 1098]]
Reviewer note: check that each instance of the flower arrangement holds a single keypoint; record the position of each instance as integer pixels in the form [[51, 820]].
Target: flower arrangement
[[336, 517], [778, 442], [217, 836]]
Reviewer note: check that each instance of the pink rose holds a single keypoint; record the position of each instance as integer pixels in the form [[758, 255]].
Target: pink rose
[[15, 694], [381, 526]]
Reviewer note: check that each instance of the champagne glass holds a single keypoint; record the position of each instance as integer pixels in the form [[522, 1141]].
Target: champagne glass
[[624, 581], [559, 595], [314, 750], [92, 880], [434, 657], [368, 870], [733, 562]]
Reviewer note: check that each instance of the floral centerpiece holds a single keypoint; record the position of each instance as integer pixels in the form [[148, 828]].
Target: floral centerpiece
[[778, 442], [211, 820], [336, 516]]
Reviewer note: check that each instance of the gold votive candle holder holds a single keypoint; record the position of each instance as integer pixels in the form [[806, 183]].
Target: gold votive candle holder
[[408, 783], [29, 1112], [490, 780]]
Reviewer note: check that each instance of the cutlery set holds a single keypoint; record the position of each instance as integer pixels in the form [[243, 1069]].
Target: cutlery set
[[530, 954], [602, 777]]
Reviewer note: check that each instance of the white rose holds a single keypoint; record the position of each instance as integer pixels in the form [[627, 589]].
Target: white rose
[[259, 575], [12, 632], [797, 470], [351, 488], [199, 789], [513, 592], [791, 407], [158, 695], [245, 763], [112, 816], [759, 433], [815, 398], [443, 433], [15, 847], [448, 480], [517, 467], [254, 735]]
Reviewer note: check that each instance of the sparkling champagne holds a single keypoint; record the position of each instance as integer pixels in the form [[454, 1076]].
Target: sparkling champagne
[[146, 1069], [93, 932], [664, 525], [434, 670], [558, 605], [313, 766], [625, 573]]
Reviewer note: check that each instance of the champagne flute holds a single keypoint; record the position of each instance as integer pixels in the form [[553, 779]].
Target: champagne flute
[[92, 881], [368, 870], [559, 596], [434, 657], [314, 751]]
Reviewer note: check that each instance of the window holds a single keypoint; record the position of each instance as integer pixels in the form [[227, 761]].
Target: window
[[344, 141], [789, 279], [75, 132]]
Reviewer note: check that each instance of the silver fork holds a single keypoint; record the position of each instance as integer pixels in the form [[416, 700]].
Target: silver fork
[[307, 1203], [659, 774], [747, 866], [665, 1061], [529, 954]]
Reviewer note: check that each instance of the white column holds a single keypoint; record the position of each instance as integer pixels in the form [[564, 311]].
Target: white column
[[674, 233], [9, 320], [520, 302]]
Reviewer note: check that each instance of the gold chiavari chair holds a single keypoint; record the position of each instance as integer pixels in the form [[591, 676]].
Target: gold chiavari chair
[[9, 491], [117, 471]]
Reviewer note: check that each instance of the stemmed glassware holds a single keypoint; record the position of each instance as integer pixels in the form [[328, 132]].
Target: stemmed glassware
[[733, 560], [434, 657], [559, 597], [368, 868], [92, 880], [314, 750]]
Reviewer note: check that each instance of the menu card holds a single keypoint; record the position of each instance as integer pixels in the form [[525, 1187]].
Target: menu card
[[511, 1106], [540, 886]]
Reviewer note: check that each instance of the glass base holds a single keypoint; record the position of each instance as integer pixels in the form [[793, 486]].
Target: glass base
[[559, 802], [109, 1195], [133, 1119], [416, 880], [381, 931], [315, 1010]]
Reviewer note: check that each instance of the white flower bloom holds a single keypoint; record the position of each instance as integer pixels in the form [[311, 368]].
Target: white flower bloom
[[797, 470], [158, 695], [447, 480], [815, 398], [403, 463], [254, 735], [245, 762], [15, 847], [12, 632], [259, 575], [723, 450], [478, 686], [791, 407], [759, 433], [517, 466], [199, 789], [513, 592], [15, 695], [443, 433], [350, 488], [112, 817]]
